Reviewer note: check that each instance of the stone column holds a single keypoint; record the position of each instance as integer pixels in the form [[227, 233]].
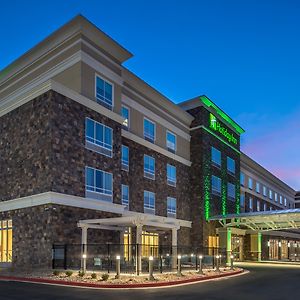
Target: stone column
[[84, 248], [174, 248], [225, 241], [255, 246]]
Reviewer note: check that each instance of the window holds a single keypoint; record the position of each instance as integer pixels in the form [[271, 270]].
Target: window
[[250, 203], [280, 199], [230, 165], [275, 196], [149, 167], [216, 157], [265, 206], [216, 185], [125, 158], [230, 191], [98, 137], [250, 183], [149, 130], [264, 191], [149, 201], [104, 92], [242, 200], [125, 195], [98, 184], [285, 202], [257, 187], [258, 205], [270, 194], [171, 175], [171, 206], [6, 241], [125, 115], [171, 141], [242, 179]]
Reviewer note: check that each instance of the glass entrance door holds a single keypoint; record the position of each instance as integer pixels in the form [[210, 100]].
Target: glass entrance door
[[237, 247]]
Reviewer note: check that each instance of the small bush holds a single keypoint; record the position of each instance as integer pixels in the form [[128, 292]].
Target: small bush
[[105, 277], [81, 273], [69, 273], [94, 276], [56, 272]]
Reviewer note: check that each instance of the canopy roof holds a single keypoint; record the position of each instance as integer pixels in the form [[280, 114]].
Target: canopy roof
[[262, 221]]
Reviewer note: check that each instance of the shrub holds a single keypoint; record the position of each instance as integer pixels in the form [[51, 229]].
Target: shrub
[[94, 276], [69, 273], [105, 277], [81, 273], [56, 272]]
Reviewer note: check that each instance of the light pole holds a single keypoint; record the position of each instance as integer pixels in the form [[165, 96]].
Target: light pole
[[200, 265], [151, 277], [118, 266]]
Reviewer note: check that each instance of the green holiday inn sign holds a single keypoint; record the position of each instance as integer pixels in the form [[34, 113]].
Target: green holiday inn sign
[[215, 125]]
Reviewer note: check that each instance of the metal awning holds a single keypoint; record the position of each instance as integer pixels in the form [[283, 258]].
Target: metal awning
[[262, 221]]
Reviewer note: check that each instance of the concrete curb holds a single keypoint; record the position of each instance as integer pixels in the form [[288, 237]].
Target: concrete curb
[[119, 286]]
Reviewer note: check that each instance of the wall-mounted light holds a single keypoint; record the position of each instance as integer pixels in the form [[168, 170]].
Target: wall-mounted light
[[268, 243], [279, 244]]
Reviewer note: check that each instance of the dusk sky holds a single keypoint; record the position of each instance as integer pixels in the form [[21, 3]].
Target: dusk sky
[[244, 55]]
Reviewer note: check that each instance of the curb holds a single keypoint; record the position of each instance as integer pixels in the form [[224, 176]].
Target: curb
[[118, 286]]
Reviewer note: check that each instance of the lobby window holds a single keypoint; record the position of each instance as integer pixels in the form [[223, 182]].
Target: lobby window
[[285, 202], [270, 194], [264, 191], [6, 241], [230, 165], [149, 130], [250, 183], [104, 92], [171, 175], [125, 195], [275, 196], [171, 207], [230, 191], [125, 115], [215, 157], [99, 184], [149, 167], [258, 205], [257, 187], [125, 158], [280, 199], [171, 141], [242, 179], [242, 200], [265, 206], [149, 201], [98, 137], [250, 203], [216, 185]]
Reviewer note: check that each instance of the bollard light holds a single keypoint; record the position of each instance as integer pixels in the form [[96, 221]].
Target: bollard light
[[151, 277], [231, 262], [118, 266], [179, 266], [200, 265], [217, 263]]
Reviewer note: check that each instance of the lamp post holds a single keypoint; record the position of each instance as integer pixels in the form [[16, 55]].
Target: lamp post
[[200, 265], [231, 261], [151, 277], [118, 266], [179, 266]]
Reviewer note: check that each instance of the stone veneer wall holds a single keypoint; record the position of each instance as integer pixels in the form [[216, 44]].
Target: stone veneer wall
[[36, 229]]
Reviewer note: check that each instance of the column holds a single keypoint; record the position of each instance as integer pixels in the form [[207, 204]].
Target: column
[[225, 241], [255, 245], [139, 232], [84, 248], [174, 248]]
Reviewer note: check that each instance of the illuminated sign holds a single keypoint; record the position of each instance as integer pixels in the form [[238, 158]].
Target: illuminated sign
[[217, 126]]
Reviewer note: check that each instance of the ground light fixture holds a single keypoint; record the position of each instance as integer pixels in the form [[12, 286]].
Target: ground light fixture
[[151, 277], [200, 265], [231, 261], [179, 274], [118, 266]]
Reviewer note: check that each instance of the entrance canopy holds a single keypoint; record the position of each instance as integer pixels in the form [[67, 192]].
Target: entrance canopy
[[262, 221]]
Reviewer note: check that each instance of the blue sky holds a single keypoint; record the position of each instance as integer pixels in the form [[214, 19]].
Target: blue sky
[[244, 55]]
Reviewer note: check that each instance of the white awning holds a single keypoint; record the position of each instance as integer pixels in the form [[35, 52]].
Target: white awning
[[262, 221]]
